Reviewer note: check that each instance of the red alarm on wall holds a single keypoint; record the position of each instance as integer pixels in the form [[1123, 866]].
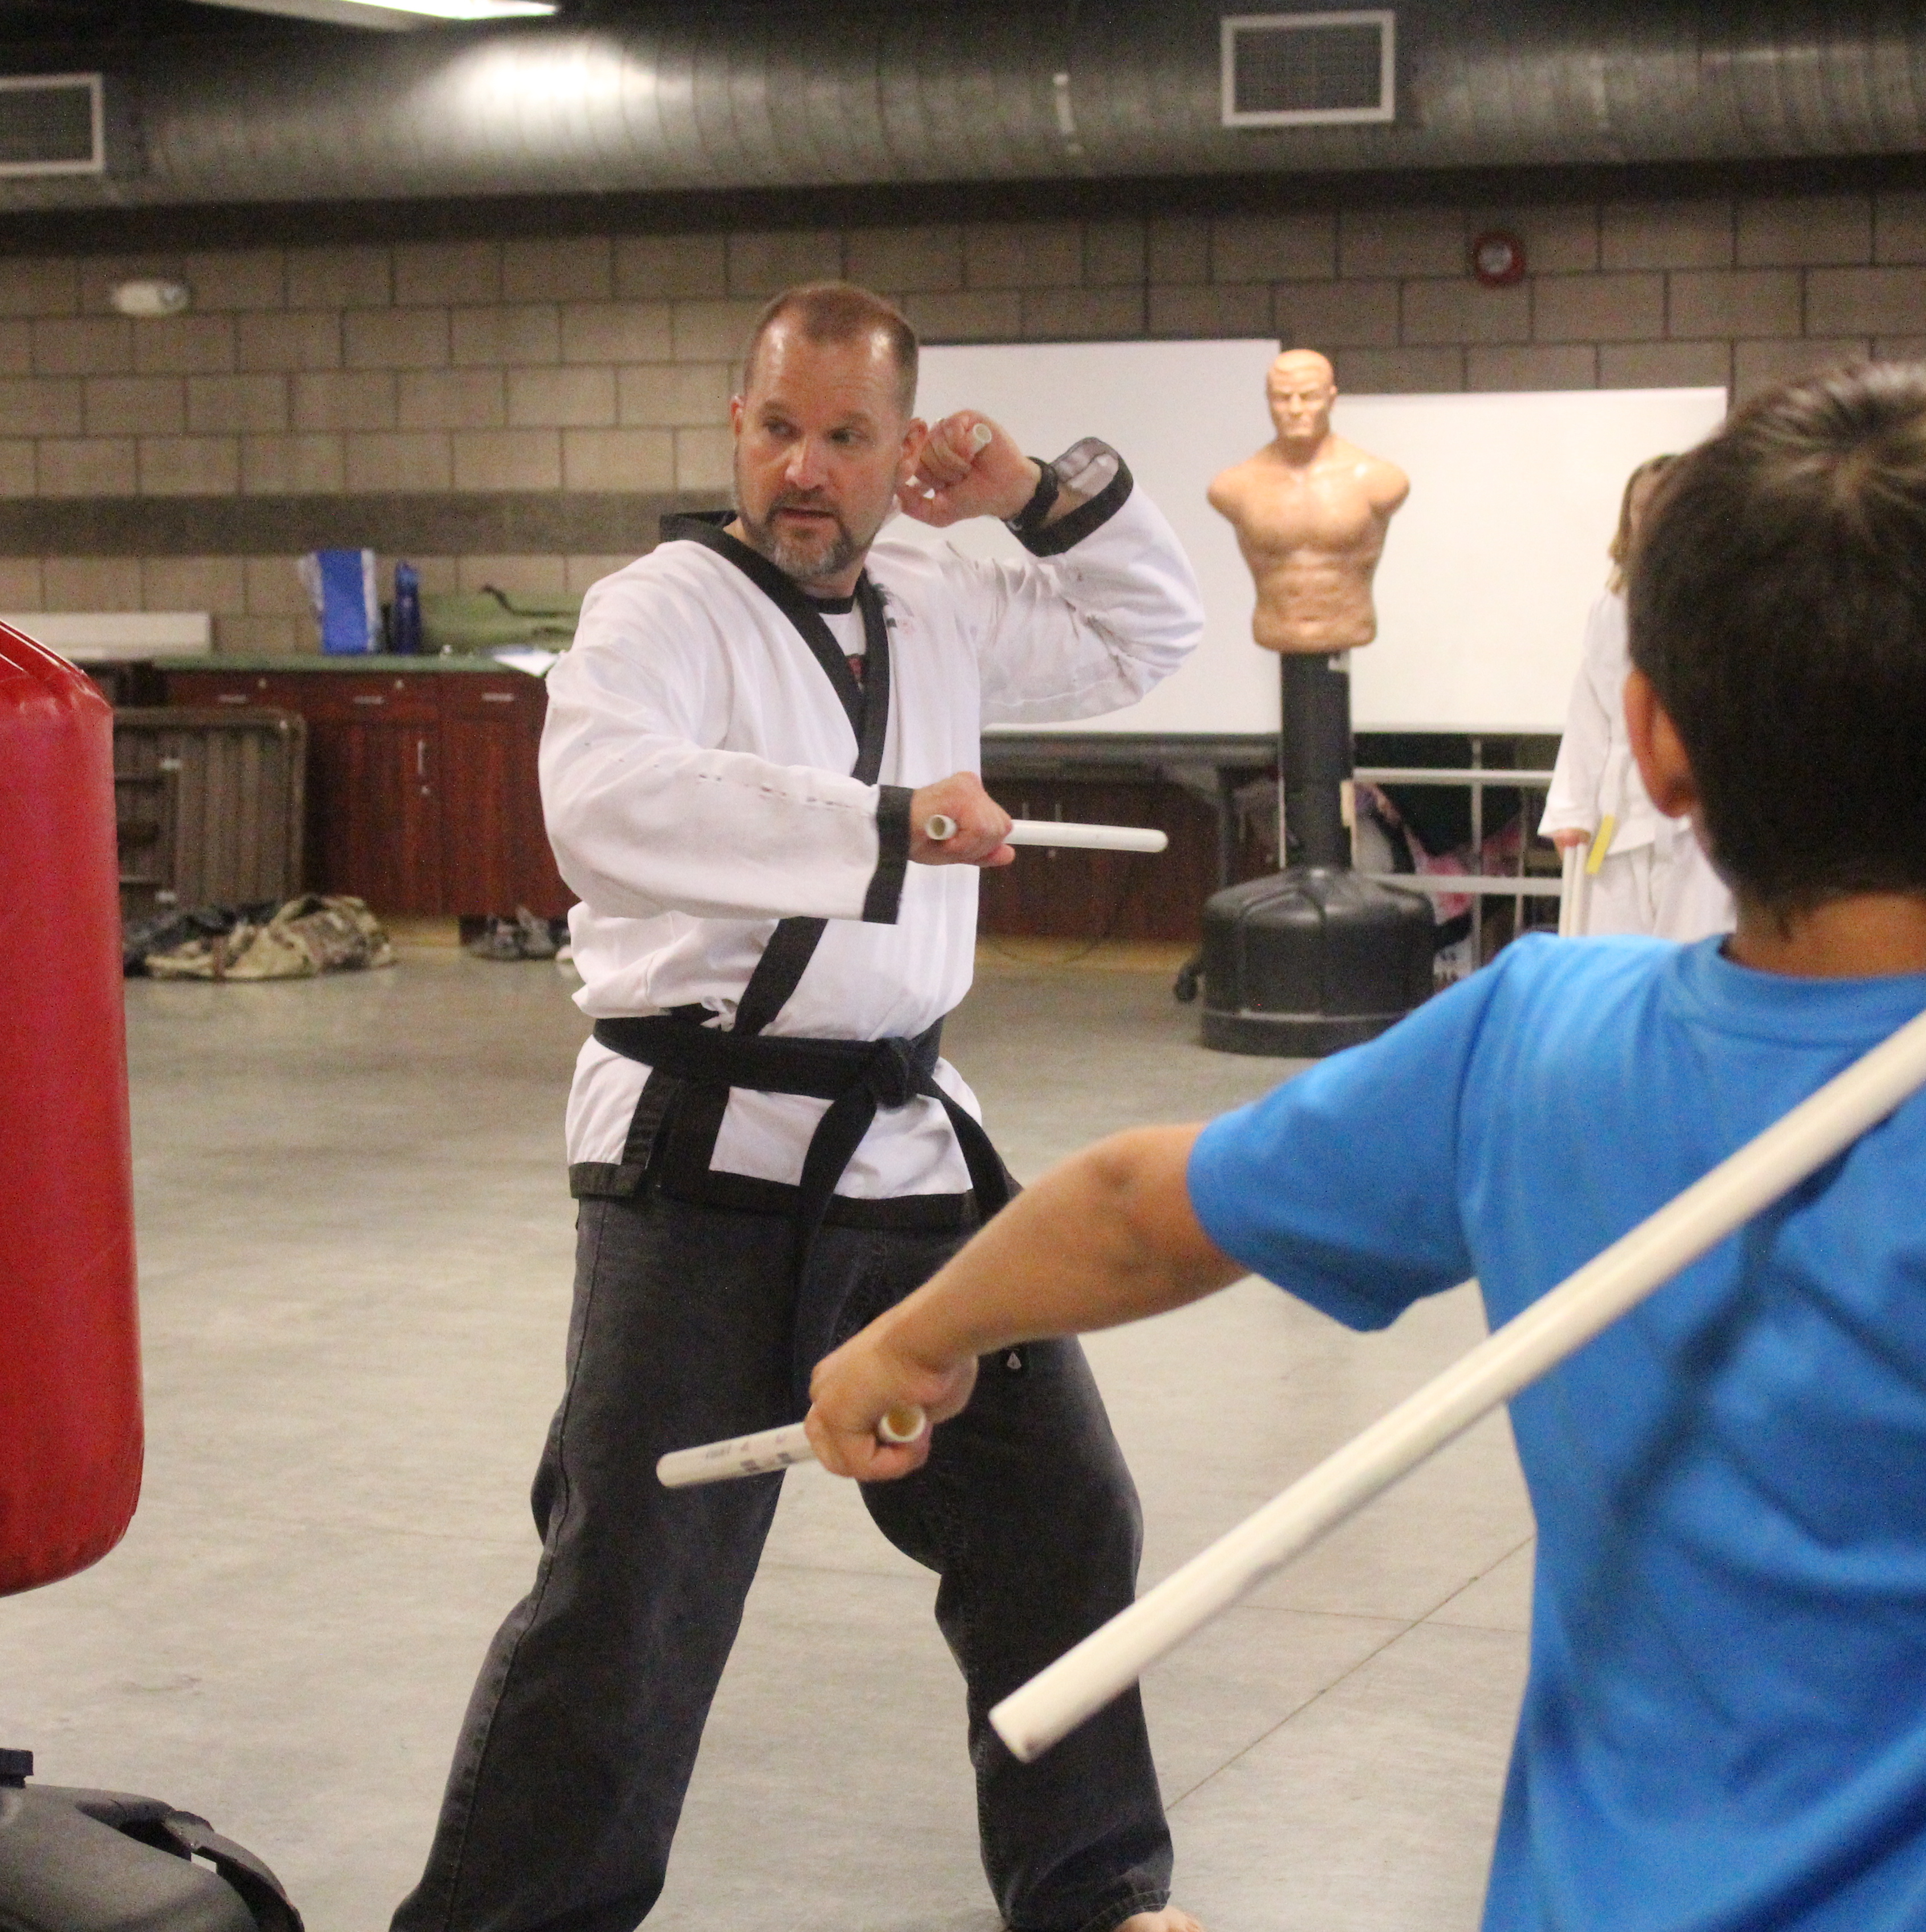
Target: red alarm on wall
[[1498, 259]]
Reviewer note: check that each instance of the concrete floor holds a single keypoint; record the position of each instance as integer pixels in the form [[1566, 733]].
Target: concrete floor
[[355, 1254]]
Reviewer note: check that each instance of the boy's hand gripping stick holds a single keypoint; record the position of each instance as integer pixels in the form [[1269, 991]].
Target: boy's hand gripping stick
[[939, 826], [1108, 1661], [767, 1450]]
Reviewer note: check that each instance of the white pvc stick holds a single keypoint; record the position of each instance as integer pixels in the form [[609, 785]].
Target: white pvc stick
[[768, 1449], [1109, 1660], [939, 826], [1571, 902]]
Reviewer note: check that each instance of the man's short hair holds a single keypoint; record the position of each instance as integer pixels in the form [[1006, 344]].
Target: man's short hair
[[840, 312], [1778, 593]]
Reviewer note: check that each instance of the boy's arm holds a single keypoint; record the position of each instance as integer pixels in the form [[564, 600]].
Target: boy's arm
[[1345, 1185], [1108, 1237]]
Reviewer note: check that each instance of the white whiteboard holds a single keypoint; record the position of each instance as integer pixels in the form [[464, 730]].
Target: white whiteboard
[[1490, 567], [1180, 412]]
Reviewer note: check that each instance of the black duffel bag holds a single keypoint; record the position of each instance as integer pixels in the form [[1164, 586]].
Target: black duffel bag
[[78, 1861]]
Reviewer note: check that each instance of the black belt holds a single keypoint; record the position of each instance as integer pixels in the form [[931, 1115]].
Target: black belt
[[857, 1077]]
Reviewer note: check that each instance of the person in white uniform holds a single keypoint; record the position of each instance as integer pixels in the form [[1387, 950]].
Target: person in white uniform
[[753, 726], [1643, 872]]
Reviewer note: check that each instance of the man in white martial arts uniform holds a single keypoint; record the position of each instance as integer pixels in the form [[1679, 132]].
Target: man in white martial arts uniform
[[752, 727]]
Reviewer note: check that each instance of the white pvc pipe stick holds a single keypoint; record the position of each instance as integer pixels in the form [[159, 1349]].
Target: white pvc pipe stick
[[940, 826], [768, 1449], [1571, 904], [1109, 1660]]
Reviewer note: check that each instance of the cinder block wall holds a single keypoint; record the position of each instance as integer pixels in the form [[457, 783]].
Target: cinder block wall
[[601, 365]]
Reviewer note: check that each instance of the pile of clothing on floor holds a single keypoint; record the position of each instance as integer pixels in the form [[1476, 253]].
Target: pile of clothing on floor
[[296, 940]]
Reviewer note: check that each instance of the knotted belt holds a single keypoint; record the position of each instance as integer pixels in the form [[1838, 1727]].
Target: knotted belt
[[857, 1077]]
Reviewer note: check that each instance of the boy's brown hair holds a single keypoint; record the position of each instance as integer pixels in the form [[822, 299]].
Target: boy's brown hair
[[1777, 598]]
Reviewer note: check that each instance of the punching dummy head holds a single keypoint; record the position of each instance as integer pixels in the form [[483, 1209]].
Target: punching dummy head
[[1300, 389], [1777, 601], [822, 430]]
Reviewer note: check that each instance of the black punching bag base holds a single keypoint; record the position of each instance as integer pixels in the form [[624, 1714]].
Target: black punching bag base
[[1310, 960]]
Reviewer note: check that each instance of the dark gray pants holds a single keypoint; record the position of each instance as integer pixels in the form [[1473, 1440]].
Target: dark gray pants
[[581, 1734]]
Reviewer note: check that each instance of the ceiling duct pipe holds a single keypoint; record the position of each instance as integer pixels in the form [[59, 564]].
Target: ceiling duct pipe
[[723, 101]]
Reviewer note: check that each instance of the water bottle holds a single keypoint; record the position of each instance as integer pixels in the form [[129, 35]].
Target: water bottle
[[407, 614]]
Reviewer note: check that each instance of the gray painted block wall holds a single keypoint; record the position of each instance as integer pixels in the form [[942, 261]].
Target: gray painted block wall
[[598, 368]]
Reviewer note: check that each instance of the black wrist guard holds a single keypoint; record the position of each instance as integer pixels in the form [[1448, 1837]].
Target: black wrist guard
[[1029, 519]]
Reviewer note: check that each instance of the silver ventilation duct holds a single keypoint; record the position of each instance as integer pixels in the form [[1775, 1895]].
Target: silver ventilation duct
[[717, 100]]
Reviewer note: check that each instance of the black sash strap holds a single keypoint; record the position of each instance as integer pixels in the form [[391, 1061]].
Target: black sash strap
[[694, 1065], [857, 1077]]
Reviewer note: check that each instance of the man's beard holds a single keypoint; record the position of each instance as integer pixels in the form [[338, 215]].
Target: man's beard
[[800, 558]]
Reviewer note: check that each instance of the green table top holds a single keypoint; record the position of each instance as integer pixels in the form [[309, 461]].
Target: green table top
[[221, 663]]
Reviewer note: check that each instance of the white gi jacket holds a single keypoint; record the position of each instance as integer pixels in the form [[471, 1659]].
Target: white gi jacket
[[1655, 878], [694, 778], [1595, 777]]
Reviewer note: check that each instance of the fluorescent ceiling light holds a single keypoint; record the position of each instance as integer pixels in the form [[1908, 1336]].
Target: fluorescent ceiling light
[[390, 15]]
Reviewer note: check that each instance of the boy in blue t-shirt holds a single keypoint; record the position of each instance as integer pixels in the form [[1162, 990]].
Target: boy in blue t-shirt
[[1725, 1723]]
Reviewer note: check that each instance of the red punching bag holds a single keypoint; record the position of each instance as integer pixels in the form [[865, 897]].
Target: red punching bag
[[69, 1343]]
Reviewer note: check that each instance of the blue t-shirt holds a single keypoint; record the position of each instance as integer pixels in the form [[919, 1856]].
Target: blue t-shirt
[[1725, 1724]]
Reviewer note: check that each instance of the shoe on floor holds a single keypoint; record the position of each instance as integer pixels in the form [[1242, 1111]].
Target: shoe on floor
[[537, 935], [502, 940]]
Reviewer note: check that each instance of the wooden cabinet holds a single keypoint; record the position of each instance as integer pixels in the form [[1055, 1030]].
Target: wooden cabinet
[[491, 732], [374, 822], [422, 794], [232, 691]]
